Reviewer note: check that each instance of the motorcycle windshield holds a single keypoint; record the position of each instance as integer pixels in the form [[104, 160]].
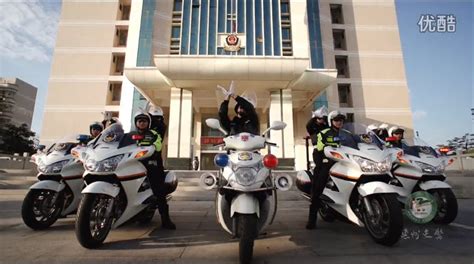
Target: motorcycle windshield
[[416, 146], [64, 145], [111, 135], [354, 133]]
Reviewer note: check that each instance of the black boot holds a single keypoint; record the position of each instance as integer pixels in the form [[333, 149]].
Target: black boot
[[312, 218], [165, 218]]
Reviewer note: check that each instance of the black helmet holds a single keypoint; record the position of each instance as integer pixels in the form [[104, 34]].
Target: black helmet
[[96, 126], [396, 130]]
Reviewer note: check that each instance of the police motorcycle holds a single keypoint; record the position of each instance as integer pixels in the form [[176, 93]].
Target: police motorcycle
[[358, 187], [117, 190], [246, 199], [58, 191], [419, 171]]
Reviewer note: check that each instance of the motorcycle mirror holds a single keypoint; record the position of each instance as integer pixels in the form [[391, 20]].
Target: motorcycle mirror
[[391, 139], [82, 138], [276, 125], [41, 147], [214, 123]]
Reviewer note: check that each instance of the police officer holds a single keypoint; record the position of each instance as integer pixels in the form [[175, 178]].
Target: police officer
[[317, 123], [325, 138], [246, 119], [154, 164], [396, 132], [95, 129]]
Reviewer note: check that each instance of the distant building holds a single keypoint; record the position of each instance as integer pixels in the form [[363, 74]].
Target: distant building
[[296, 55], [17, 101]]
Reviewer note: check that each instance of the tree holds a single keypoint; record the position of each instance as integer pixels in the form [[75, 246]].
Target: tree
[[16, 139]]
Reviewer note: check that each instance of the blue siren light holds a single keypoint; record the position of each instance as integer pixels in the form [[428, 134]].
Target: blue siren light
[[221, 160]]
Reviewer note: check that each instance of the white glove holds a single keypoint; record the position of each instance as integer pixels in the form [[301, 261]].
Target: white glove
[[229, 92]]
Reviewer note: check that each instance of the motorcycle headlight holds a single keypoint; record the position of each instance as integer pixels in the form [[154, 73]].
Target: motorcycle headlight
[[106, 165], [52, 168], [427, 168], [245, 176], [367, 165]]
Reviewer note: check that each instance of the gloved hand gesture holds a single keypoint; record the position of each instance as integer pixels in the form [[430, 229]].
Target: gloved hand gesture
[[228, 93]]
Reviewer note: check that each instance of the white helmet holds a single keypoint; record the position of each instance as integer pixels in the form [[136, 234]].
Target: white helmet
[[156, 111], [140, 115], [251, 97], [320, 112], [395, 129], [372, 127], [383, 126], [335, 115]]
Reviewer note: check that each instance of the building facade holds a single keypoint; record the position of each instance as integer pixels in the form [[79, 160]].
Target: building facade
[[295, 55], [17, 101]]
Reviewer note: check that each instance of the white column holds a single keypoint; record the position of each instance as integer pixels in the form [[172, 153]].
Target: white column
[[173, 123], [299, 28], [126, 99], [197, 134], [186, 124], [276, 136], [180, 123], [288, 132]]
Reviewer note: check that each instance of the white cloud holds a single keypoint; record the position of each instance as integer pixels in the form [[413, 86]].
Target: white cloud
[[28, 29], [419, 114]]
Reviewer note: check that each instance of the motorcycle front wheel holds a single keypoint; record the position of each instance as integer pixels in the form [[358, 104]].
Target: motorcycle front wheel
[[93, 222], [247, 230], [447, 206], [386, 224], [41, 208]]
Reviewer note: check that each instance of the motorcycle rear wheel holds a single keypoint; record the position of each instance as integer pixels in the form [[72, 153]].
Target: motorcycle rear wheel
[[447, 206]]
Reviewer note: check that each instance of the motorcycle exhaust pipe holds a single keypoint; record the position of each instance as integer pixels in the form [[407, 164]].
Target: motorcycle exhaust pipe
[[208, 181], [283, 182]]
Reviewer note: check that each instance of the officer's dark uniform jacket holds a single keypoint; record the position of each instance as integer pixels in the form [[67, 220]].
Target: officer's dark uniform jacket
[[249, 123], [313, 128]]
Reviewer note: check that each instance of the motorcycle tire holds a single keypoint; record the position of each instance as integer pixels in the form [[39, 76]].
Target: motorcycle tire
[[33, 207], [447, 206], [88, 211], [387, 212], [247, 230]]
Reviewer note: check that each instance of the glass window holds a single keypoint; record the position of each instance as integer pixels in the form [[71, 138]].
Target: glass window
[[339, 39], [186, 25], [268, 27], [194, 28], [175, 30], [276, 28], [336, 14], [212, 28], [285, 32], [258, 28], [342, 67], [314, 28], [320, 101], [241, 17], [285, 7], [222, 16], [345, 96], [178, 5], [203, 29], [250, 28]]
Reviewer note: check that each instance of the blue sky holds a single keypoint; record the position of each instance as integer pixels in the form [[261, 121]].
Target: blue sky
[[438, 66]]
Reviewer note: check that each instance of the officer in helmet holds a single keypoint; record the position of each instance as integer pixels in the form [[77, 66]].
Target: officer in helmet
[[317, 123], [397, 133], [246, 119], [154, 164], [95, 129], [157, 120], [327, 137]]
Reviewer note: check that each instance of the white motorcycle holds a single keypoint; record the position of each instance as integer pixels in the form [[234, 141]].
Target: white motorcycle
[[358, 187], [246, 199], [419, 168], [117, 188], [58, 192]]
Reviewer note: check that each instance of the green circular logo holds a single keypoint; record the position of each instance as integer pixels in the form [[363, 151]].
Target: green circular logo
[[421, 207]]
